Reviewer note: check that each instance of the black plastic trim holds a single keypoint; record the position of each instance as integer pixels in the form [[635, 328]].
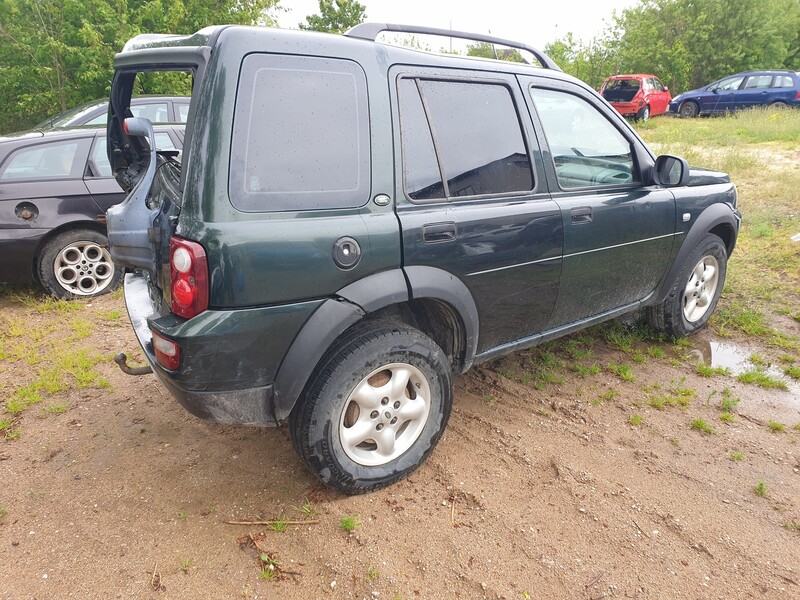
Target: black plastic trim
[[430, 282], [711, 217]]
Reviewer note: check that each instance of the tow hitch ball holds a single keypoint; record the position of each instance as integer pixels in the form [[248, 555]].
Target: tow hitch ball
[[122, 362]]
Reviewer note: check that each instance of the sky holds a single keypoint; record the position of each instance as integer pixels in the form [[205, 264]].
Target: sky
[[532, 22]]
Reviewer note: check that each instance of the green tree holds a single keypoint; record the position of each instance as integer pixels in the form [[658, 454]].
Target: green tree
[[335, 16], [487, 50], [688, 43], [55, 54]]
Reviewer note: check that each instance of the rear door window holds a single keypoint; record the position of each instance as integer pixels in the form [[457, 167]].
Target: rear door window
[[474, 130], [300, 135], [783, 81]]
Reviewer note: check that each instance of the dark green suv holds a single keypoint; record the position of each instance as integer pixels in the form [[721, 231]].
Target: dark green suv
[[353, 223]]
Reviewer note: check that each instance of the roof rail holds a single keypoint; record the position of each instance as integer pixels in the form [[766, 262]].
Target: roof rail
[[370, 31]]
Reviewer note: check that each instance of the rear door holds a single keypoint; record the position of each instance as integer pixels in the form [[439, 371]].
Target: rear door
[[472, 202], [98, 177], [618, 233], [754, 92]]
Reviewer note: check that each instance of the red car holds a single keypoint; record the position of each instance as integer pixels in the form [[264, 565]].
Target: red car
[[636, 96]]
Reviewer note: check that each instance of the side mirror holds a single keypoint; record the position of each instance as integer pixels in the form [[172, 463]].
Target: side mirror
[[671, 171], [666, 89]]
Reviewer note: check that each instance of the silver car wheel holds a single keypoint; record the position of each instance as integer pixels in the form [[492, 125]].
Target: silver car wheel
[[83, 268], [700, 289], [385, 414]]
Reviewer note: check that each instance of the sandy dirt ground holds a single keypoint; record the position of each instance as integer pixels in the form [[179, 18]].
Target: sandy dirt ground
[[538, 489]]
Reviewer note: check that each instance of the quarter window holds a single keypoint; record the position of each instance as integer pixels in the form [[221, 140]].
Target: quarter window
[[300, 135], [474, 131], [783, 81], [586, 148], [41, 161]]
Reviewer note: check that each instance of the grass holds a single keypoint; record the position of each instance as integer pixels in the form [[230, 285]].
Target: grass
[[635, 420], [776, 427], [585, 371], [760, 489], [3, 512], [755, 148], [372, 573], [736, 456], [279, 525], [762, 379], [656, 351], [58, 408], [306, 509], [701, 426], [624, 372], [186, 564], [727, 417], [728, 402], [793, 371], [349, 523], [43, 350], [705, 370]]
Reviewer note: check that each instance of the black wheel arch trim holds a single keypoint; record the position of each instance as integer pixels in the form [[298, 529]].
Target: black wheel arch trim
[[430, 282], [350, 305], [711, 218]]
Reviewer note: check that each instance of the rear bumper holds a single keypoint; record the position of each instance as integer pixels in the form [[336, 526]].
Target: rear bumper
[[627, 109], [228, 357]]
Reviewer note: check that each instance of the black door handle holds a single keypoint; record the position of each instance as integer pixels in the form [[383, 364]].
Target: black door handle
[[582, 214], [439, 232]]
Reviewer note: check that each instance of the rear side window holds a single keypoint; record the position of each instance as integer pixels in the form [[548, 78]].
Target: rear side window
[[474, 130], [300, 135], [758, 82], [783, 81], [55, 161]]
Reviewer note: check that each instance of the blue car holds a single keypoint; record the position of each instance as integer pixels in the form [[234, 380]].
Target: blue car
[[743, 90]]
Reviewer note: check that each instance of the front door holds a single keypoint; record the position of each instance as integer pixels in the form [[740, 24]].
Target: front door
[[472, 202], [618, 233]]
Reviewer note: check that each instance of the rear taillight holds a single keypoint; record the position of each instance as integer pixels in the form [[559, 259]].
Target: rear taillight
[[797, 96], [168, 353], [188, 274]]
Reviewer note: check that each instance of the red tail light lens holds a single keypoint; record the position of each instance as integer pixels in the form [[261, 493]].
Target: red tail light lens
[[168, 353], [188, 269]]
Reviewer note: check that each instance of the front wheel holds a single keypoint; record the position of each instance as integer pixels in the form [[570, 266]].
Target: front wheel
[[77, 264], [689, 109], [375, 408], [696, 291]]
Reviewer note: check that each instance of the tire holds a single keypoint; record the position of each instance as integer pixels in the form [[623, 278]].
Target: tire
[[77, 264], [696, 290], [335, 426], [689, 109], [644, 114], [779, 105]]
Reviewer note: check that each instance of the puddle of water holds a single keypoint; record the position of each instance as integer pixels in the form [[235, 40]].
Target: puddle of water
[[737, 359]]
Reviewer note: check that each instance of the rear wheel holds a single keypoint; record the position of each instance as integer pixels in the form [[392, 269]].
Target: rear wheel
[[77, 264], [643, 114], [689, 109], [779, 105], [696, 291], [375, 408]]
